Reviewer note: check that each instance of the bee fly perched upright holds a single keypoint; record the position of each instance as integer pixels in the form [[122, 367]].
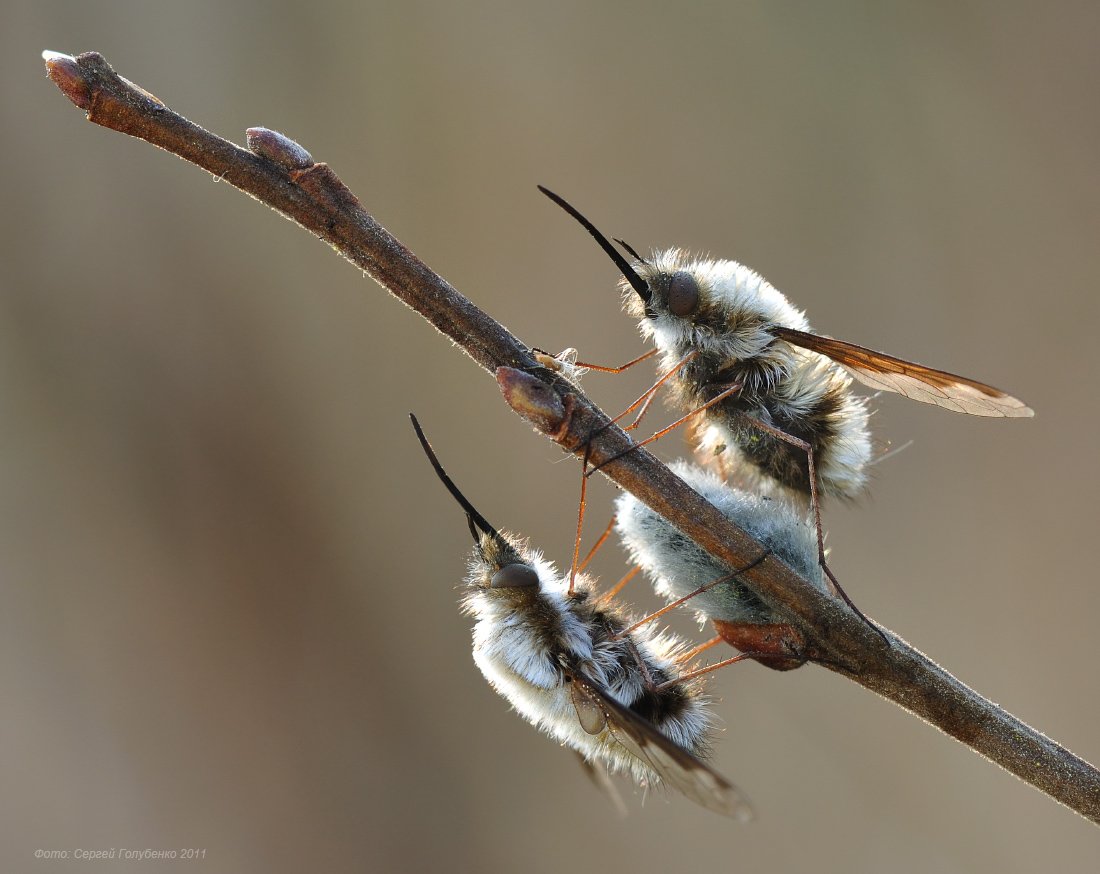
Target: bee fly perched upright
[[581, 671], [774, 398]]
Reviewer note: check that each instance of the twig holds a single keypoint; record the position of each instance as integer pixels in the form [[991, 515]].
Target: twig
[[280, 173]]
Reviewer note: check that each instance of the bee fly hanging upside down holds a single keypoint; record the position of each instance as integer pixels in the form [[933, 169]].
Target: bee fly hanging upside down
[[772, 396], [576, 667], [683, 572]]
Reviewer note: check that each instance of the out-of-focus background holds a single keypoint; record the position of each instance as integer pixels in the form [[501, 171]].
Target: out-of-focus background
[[227, 607]]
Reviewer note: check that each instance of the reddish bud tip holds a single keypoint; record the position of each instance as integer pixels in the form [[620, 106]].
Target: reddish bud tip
[[275, 147], [531, 398], [778, 646], [66, 74]]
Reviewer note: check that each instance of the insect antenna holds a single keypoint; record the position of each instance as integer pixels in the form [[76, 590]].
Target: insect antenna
[[630, 249], [472, 515], [636, 282]]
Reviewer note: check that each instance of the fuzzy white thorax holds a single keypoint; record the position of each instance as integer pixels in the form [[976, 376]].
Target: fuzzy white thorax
[[677, 566], [750, 303], [741, 305], [521, 654]]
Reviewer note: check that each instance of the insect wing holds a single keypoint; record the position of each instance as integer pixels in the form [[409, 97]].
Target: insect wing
[[671, 762], [914, 381], [597, 773], [590, 712]]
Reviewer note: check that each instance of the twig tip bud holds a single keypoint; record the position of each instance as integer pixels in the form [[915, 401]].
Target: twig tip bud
[[65, 73]]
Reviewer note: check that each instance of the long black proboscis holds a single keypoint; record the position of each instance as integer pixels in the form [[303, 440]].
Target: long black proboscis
[[471, 512], [636, 282]]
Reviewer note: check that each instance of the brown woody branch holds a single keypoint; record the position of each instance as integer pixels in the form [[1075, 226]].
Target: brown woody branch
[[280, 173]]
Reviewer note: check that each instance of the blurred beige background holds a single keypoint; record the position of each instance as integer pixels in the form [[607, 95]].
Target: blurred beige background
[[228, 617]]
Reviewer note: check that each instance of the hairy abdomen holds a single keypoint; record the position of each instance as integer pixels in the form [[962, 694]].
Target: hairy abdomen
[[834, 424]]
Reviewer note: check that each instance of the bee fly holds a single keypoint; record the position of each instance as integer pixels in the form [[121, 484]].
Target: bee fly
[[774, 397], [581, 671], [681, 570]]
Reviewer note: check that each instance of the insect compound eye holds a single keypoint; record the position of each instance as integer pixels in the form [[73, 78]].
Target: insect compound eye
[[515, 576], [683, 294]]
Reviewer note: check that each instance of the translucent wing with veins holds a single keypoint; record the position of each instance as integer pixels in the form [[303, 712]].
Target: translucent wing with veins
[[597, 710], [915, 381]]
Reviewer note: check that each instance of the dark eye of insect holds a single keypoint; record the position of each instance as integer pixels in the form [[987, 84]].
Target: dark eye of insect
[[514, 576], [683, 294]]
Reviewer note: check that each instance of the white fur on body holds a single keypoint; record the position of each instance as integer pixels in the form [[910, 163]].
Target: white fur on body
[[677, 566], [511, 649], [740, 290], [793, 379]]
